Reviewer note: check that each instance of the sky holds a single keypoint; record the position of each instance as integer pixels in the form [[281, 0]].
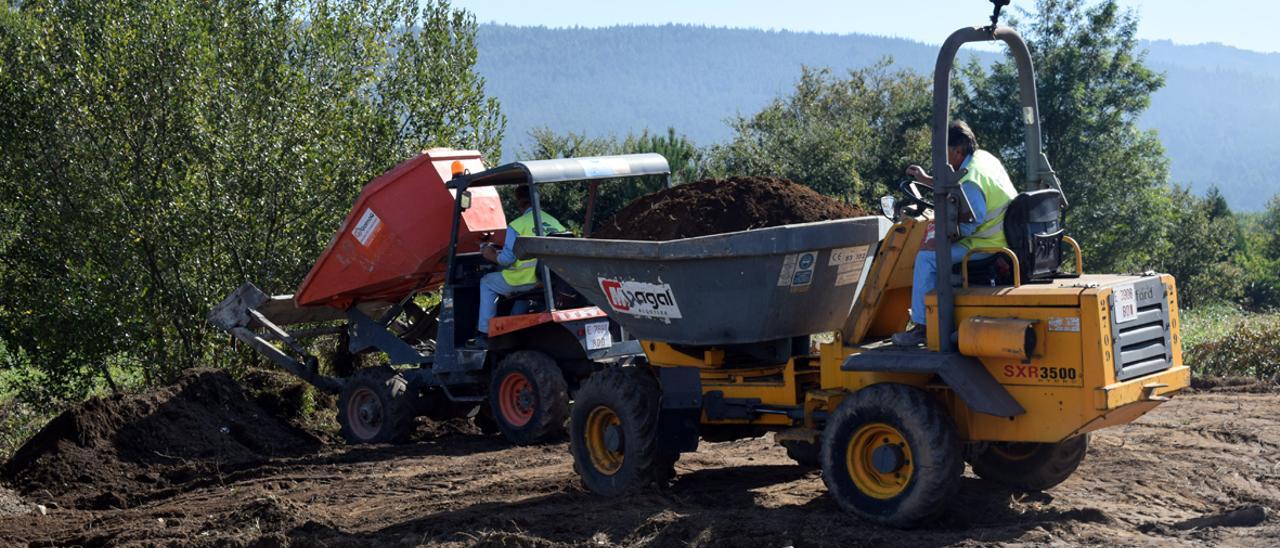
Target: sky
[[1182, 21]]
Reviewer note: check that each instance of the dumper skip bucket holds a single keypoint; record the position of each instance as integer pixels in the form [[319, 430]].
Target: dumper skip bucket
[[396, 237], [734, 288]]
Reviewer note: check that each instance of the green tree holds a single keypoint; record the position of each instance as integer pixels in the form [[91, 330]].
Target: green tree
[[1203, 232], [1271, 229], [1092, 87], [846, 137], [1260, 259], [158, 153]]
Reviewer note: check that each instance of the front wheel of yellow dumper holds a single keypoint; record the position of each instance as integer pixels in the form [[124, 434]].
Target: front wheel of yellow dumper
[[890, 454], [614, 432], [1030, 466]]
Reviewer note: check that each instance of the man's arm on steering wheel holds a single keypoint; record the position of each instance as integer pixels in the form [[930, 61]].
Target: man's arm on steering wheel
[[916, 172]]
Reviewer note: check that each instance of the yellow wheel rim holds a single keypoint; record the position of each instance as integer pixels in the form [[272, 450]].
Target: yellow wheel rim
[[879, 461], [604, 440]]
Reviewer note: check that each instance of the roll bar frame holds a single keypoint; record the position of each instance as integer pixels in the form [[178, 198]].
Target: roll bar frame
[[949, 200]]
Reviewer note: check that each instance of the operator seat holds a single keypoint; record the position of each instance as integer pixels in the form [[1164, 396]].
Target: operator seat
[[1033, 231]]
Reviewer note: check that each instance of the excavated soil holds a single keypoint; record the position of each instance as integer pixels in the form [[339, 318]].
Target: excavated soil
[[1203, 469], [123, 450], [717, 206]]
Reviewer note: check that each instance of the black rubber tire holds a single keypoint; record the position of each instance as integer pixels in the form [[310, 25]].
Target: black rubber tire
[[632, 394], [930, 435], [804, 453], [394, 409], [1040, 466], [548, 389]]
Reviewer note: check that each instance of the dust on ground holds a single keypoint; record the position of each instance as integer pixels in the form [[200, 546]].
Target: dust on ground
[[714, 206], [1201, 469]]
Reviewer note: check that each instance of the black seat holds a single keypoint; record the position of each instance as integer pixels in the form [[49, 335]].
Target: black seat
[[1033, 229]]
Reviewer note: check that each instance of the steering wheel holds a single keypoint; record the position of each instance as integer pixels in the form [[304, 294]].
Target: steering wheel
[[911, 190]]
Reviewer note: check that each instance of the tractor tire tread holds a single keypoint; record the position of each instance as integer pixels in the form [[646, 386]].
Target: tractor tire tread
[[1047, 466], [398, 411], [633, 394], [931, 436], [552, 408]]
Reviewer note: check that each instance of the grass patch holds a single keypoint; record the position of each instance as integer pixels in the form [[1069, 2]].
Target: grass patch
[[1211, 322], [1224, 341]]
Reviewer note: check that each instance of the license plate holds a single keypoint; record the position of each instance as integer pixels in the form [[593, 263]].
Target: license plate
[[597, 336], [1126, 307]]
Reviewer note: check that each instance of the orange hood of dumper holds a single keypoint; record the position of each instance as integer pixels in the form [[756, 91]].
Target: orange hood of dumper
[[396, 237]]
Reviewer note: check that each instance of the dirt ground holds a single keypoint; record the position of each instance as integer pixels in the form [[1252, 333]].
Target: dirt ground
[[716, 206], [1202, 469]]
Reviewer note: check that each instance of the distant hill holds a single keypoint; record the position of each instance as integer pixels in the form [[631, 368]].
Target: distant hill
[[1218, 115]]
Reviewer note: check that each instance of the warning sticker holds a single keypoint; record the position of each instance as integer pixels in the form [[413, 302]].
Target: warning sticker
[[848, 262], [368, 227], [1068, 325], [641, 299], [846, 275], [848, 255], [604, 167], [797, 269], [788, 269]]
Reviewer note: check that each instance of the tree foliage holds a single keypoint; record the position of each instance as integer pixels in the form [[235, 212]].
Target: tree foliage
[[847, 137], [1092, 85], [1260, 259], [158, 153], [1204, 238]]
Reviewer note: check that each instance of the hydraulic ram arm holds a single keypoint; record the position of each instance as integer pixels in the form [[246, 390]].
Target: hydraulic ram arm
[[239, 312]]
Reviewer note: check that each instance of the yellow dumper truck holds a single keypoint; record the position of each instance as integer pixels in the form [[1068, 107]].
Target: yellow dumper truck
[[1026, 352]]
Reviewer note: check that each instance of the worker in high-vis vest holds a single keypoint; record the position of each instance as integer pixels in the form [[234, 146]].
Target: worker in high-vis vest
[[989, 190], [517, 276]]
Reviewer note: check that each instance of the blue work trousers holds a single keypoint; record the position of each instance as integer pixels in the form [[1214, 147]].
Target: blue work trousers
[[925, 277], [492, 286]]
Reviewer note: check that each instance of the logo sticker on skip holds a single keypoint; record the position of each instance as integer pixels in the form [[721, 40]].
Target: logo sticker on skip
[[641, 299]]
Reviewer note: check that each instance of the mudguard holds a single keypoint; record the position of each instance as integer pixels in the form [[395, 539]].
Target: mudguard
[[964, 374]]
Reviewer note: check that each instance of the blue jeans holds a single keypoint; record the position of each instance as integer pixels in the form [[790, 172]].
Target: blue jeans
[[493, 285], [925, 277]]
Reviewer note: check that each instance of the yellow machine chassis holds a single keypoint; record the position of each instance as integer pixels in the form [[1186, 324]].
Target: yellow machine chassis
[[1070, 320]]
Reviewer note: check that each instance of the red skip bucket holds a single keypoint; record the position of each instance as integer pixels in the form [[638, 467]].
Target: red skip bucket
[[396, 237]]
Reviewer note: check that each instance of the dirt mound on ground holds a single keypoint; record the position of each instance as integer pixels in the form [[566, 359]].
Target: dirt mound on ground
[[717, 206], [117, 451]]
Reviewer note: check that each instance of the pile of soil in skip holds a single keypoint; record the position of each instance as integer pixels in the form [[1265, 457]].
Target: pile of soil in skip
[[715, 206], [121, 450]]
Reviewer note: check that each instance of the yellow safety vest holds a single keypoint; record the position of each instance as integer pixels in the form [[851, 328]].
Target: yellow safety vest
[[526, 272], [986, 172]]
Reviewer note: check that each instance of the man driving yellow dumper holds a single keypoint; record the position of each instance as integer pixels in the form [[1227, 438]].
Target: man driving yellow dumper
[[989, 191]]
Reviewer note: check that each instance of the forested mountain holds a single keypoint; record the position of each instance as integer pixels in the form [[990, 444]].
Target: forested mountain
[[1217, 115]]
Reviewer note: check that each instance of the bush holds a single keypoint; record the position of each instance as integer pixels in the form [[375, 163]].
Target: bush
[[1247, 351]]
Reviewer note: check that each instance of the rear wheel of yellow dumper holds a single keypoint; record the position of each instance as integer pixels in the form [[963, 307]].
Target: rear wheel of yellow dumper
[[1030, 466], [890, 454], [614, 432]]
